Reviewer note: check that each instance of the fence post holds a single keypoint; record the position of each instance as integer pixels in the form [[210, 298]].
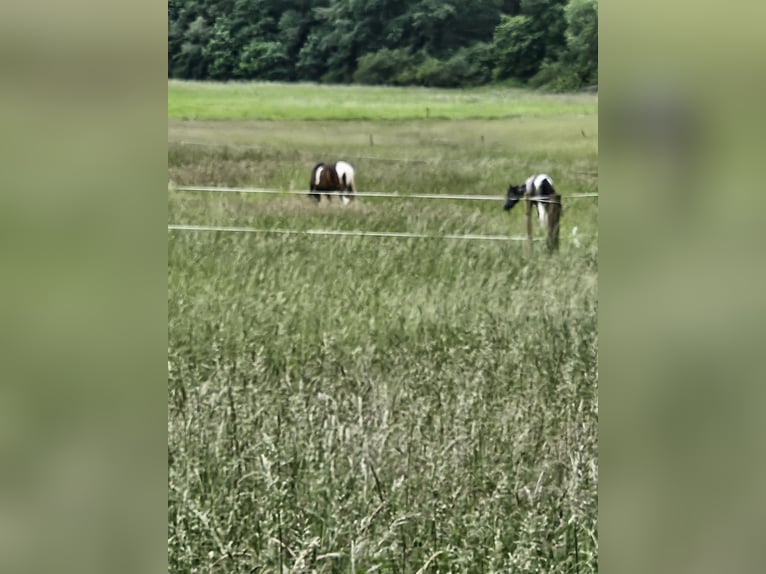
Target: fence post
[[528, 205], [554, 215]]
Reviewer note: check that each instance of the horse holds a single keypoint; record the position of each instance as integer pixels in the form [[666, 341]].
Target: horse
[[535, 185], [324, 178], [338, 177], [346, 174]]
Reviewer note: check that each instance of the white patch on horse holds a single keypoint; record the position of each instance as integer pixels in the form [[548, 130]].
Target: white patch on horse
[[345, 171], [346, 176], [317, 175], [533, 187]]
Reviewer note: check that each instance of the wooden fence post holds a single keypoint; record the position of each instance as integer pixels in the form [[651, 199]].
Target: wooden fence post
[[554, 215], [528, 205]]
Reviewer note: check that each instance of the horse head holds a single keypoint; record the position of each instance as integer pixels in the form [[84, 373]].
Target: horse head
[[513, 195]]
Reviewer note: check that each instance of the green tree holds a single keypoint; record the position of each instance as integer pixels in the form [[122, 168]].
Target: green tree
[[582, 38], [294, 26], [220, 51], [191, 58], [385, 66], [518, 48], [332, 46], [265, 61], [525, 41], [551, 43]]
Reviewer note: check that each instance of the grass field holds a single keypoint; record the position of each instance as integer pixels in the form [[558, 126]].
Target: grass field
[[392, 405], [241, 101]]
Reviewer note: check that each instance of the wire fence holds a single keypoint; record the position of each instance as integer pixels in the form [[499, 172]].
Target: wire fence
[[429, 196], [363, 233]]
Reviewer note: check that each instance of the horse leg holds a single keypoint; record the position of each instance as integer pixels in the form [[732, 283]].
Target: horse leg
[[348, 198], [542, 213], [342, 187], [315, 196]]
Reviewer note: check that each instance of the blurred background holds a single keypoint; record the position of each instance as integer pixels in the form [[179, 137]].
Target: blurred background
[[681, 292]]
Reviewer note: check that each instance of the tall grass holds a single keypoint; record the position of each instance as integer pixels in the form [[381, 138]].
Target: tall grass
[[361, 405]]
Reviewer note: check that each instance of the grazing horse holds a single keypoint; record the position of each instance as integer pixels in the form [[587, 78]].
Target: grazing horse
[[324, 178], [536, 185], [346, 175], [338, 177]]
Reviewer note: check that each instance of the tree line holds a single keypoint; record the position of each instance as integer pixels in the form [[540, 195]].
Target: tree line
[[551, 44]]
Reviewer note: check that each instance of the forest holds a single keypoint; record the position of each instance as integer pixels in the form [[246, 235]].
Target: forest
[[544, 44]]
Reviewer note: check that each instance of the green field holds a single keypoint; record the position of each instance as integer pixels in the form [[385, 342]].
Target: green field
[[242, 101], [364, 404]]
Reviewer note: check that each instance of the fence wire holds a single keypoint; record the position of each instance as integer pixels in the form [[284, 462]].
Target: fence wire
[[377, 194]]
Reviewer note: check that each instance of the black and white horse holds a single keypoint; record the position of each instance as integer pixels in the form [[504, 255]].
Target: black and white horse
[[535, 186], [327, 178]]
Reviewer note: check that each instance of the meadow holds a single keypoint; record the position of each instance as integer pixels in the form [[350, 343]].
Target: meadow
[[349, 404], [278, 101]]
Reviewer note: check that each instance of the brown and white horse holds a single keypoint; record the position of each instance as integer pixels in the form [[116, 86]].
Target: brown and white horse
[[327, 178]]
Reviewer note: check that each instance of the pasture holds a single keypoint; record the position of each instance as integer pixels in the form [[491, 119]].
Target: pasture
[[276, 101], [349, 404]]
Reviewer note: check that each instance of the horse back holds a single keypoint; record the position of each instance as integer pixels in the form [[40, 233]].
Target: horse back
[[326, 180], [546, 187], [540, 184]]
